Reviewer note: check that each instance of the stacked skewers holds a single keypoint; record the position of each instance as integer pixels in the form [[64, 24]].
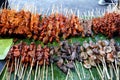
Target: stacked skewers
[[53, 27], [90, 54]]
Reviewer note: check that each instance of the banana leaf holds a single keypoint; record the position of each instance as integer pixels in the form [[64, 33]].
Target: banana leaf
[[52, 72]]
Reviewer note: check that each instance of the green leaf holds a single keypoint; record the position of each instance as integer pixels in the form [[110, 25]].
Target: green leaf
[[5, 45], [80, 72]]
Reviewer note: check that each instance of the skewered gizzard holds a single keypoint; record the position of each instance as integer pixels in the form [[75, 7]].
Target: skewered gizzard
[[90, 54]]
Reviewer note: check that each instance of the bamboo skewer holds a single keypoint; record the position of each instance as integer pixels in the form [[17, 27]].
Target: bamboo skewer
[[24, 71], [99, 71], [91, 74], [38, 76], [67, 74], [52, 71], [117, 70], [30, 70], [105, 67], [76, 68], [36, 71], [47, 72], [99, 68], [16, 67], [21, 72], [71, 75], [118, 73], [83, 70], [114, 69], [43, 71], [19, 69], [111, 71], [7, 63]]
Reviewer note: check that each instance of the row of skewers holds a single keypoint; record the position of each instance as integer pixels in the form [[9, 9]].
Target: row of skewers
[[22, 55], [53, 27], [102, 52], [108, 25]]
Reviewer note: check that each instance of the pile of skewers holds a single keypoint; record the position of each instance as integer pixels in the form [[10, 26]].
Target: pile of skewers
[[64, 55], [28, 55], [108, 25], [57, 25], [90, 54], [53, 27], [44, 28], [20, 23]]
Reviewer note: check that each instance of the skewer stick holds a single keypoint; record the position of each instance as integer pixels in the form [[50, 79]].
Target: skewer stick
[[39, 71], [47, 11], [100, 68], [118, 73], [111, 71], [36, 71], [52, 71], [5, 4], [43, 70], [67, 74], [47, 72], [114, 69], [30, 70], [40, 11], [56, 9], [71, 75], [91, 74], [99, 71], [61, 9], [4, 76], [105, 67], [16, 67], [24, 72], [76, 68], [103, 73], [78, 13], [53, 7], [21, 72], [82, 70], [19, 69], [117, 70]]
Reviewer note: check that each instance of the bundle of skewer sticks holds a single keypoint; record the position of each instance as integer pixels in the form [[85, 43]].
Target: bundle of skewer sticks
[[26, 55], [56, 25], [65, 56]]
